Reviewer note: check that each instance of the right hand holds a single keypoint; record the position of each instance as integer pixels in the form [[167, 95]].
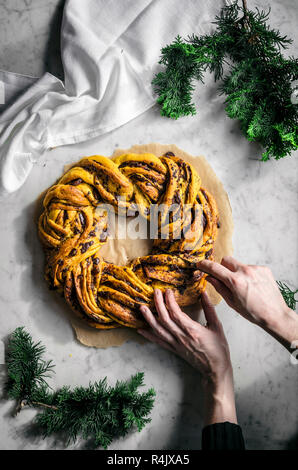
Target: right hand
[[253, 292]]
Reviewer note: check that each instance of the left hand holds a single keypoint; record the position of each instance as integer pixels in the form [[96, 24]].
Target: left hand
[[203, 347]]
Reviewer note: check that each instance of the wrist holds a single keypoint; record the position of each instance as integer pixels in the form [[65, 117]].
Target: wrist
[[283, 327], [219, 399]]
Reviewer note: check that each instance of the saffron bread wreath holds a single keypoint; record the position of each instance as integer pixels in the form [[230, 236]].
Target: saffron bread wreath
[[72, 231]]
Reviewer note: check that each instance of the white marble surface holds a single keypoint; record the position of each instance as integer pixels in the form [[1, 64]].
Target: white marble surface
[[264, 202]]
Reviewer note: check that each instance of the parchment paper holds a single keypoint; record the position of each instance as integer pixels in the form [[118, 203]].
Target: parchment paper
[[121, 251]]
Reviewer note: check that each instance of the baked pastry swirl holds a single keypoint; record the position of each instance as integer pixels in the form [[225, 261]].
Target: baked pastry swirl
[[72, 231]]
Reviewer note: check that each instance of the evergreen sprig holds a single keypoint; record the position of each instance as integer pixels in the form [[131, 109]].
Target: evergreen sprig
[[26, 368], [257, 84], [97, 413], [288, 295]]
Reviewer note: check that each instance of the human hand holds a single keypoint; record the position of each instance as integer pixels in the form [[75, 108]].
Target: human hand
[[203, 347], [253, 292]]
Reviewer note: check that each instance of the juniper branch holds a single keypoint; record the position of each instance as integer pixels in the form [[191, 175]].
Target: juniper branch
[[288, 295], [98, 412], [257, 85]]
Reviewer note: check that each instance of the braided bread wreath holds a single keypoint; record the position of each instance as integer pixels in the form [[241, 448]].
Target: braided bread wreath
[[72, 233]]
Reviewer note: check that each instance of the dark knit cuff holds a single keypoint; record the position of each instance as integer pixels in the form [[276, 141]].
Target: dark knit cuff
[[222, 436]]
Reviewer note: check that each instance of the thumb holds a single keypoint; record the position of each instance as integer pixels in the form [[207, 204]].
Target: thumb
[[209, 310]]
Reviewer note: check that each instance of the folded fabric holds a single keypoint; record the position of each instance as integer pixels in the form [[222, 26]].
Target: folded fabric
[[110, 51]]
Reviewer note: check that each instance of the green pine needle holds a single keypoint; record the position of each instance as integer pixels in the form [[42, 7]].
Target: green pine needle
[[257, 83], [26, 369], [288, 295], [175, 85], [97, 413]]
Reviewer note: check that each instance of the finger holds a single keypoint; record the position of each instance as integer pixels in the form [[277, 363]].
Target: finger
[[209, 310], [197, 275], [179, 317], [155, 339], [231, 263], [156, 326], [216, 270], [164, 316], [221, 288]]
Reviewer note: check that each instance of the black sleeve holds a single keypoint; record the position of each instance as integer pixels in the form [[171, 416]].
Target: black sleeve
[[222, 436]]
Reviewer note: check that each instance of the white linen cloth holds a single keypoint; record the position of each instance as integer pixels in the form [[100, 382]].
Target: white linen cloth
[[110, 51]]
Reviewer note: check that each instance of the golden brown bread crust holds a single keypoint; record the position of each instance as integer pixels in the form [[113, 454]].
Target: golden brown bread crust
[[72, 231]]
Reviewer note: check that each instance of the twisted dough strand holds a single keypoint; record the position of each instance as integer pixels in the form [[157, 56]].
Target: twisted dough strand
[[72, 231]]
